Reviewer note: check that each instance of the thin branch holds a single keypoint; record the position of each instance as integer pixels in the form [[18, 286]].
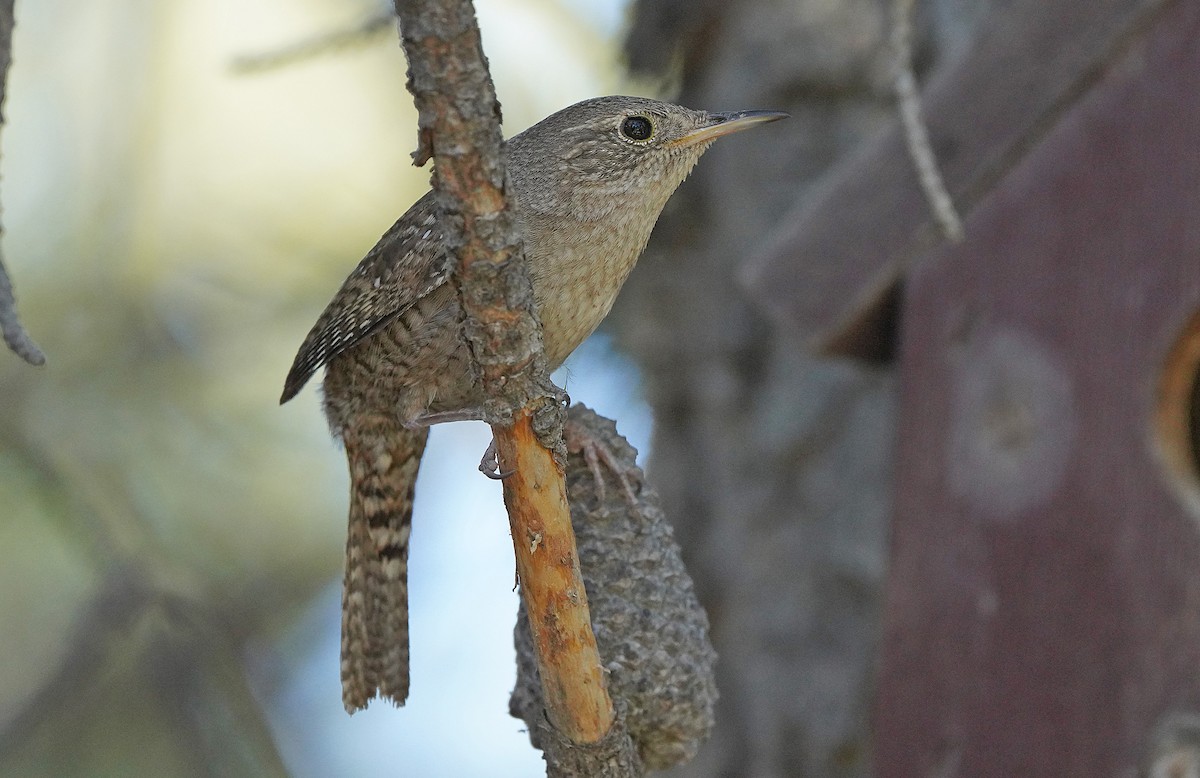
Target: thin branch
[[14, 333], [916, 136], [15, 336], [325, 43], [460, 127]]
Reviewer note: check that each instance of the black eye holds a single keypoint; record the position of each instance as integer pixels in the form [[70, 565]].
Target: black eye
[[637, 128]]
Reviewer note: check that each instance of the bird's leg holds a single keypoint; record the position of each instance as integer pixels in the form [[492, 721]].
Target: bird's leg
[[580, 440], [445, 417], [550, 391], [489, 465]]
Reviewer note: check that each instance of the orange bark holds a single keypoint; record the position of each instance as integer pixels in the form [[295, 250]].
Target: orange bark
[[551, 586]]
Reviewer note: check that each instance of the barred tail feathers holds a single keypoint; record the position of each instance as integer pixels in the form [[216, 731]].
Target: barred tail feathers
[[383, 458]]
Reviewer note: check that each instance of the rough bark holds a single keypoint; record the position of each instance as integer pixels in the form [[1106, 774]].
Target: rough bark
[[552, 589], [459, 124], [460, 127]]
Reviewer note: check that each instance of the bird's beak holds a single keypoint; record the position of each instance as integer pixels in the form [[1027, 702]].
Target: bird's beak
[[725, 123]]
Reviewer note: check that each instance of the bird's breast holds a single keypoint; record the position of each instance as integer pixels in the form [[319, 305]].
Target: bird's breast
[[577, 273]]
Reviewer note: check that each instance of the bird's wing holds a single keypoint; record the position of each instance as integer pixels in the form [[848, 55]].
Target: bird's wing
[[407, 263]]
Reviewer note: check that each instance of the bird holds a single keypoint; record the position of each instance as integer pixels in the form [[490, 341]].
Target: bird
[[587, 185]]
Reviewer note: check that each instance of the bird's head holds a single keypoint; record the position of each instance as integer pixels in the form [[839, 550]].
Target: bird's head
[[613, 152]]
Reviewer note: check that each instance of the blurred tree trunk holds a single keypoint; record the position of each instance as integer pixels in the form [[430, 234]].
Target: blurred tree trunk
[[774, 465]]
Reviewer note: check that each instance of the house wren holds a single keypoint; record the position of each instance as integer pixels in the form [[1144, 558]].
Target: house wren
[[587, 185]]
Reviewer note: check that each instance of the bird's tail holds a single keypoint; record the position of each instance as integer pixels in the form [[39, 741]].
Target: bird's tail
[[384, 458]]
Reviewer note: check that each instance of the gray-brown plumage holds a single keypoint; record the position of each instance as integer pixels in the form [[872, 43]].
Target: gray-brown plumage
[[587, 185]]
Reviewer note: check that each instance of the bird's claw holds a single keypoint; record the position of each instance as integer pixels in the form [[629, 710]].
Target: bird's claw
[[579, 440], [490, 464], [555, 393]]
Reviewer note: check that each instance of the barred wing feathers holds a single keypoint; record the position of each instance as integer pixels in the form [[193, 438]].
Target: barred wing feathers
[[407, 263]]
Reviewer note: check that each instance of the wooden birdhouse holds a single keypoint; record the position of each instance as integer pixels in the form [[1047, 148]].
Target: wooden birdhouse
[[1043, 604]]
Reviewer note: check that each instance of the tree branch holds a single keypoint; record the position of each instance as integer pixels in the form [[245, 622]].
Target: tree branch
[[916, 136], [552, 589], [10, 325], [358, 34], [460, 127]]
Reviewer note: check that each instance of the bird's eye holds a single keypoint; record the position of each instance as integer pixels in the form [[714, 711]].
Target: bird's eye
[[637, 128]]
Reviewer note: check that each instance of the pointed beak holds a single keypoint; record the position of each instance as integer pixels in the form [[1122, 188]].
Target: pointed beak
[[726, 123]]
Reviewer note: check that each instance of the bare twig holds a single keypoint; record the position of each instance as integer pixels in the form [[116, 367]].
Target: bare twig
[[916, 136], [460, 127], [14, 334], [318, 45]]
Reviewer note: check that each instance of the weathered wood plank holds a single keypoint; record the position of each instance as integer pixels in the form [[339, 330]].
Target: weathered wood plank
[[1043, 614]]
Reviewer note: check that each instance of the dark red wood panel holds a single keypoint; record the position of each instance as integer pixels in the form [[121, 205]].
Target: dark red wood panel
[[1043, 614]]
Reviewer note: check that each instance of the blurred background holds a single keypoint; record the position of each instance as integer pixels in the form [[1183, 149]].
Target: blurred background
[[939, 499], [171, 541]]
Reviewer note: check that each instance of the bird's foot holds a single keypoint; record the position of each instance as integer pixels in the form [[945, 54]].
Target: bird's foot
[[581, 440], [556, 393]]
